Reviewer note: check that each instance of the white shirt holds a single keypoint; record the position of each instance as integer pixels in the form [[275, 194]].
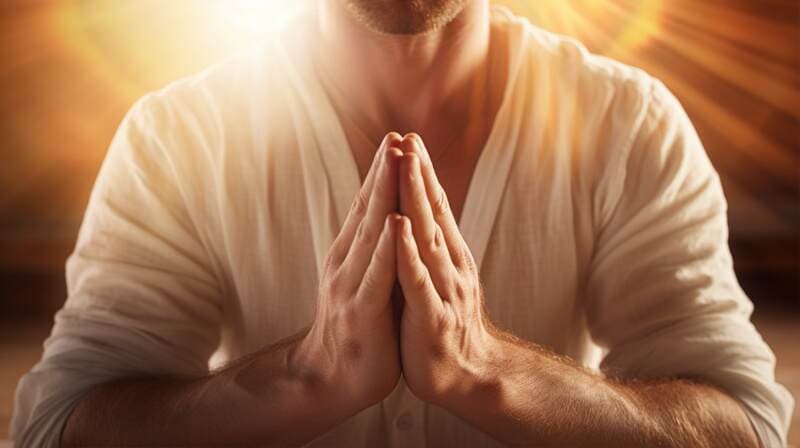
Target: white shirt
[[594, 213]]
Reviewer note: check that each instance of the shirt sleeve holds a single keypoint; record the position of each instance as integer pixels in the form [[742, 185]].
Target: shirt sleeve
[[663, 297], [142, 299]]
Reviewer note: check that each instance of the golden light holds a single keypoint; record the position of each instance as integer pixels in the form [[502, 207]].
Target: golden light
[[150, 42], [72, 68], [612, 27], [254, 17], [716, 58]]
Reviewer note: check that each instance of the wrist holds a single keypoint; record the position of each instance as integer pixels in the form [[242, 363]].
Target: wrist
[[327, 378], [481, 383], [280, 396]]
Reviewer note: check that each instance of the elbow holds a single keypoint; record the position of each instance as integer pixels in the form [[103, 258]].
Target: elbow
[[41, 411]]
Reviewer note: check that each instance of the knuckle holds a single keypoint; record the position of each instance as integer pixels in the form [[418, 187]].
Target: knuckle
[[365, 234], [329, 264], [463, 260], [336, 285], [421, 280], [360, 204], [431, 246], [408, 240], [440, 204], [438, 238], [435, 243], [457, 262], [370, 282], [461, 291]]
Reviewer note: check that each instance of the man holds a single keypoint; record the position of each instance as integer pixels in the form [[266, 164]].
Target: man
[[560, 215]]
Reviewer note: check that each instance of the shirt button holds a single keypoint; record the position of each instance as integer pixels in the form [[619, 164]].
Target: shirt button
[[404, 422]]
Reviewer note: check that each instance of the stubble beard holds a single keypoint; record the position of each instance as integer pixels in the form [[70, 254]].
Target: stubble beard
[[405, 16]]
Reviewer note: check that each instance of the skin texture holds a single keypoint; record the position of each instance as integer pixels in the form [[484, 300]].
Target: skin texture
[[402, 228]]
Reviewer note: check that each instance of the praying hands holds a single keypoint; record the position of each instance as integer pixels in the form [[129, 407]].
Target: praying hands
[[444, 338]]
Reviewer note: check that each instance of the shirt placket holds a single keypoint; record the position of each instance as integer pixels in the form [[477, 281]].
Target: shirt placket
[[405, 418]]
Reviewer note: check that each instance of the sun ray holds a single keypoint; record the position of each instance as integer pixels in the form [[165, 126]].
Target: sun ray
[[70, 68]]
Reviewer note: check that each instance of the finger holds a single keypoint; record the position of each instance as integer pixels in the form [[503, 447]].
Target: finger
[[414, 200], [375, 290], [429, 237], [382, 202], [440, 205], [420, 295], [358, 209]]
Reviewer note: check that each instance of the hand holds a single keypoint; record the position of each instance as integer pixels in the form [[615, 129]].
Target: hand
[[352, 344], [446, 343]]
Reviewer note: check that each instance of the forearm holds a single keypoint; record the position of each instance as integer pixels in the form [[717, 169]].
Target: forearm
[[263, 399], [532, 398]]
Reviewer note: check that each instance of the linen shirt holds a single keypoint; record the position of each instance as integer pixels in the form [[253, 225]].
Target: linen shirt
[[597, 221]]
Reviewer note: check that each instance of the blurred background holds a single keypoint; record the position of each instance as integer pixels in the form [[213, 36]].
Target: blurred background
[[69, 70]]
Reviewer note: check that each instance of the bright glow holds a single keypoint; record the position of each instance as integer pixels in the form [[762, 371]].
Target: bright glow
[[146, 43], [72, 67], [611, 26], [133, 46], [254, 16]]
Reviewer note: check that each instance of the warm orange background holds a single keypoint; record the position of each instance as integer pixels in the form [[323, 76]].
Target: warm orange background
[[69, 69]]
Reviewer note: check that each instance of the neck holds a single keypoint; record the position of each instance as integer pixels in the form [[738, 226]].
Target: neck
[[405, 82]]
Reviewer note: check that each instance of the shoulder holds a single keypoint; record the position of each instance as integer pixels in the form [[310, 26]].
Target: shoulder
[[219, 95], [614, 125], [228, 111], [565, 70], [253, 82]]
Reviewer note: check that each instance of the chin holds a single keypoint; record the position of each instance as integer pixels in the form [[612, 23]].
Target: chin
[[405, 16]]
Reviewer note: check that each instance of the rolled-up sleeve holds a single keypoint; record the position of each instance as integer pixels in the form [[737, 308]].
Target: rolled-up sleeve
[[663, 297], [142, 299]]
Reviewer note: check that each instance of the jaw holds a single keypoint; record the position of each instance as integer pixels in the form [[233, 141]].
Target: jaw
[[404, 17]]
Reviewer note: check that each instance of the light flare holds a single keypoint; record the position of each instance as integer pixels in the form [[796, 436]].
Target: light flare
[[81, 63]]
